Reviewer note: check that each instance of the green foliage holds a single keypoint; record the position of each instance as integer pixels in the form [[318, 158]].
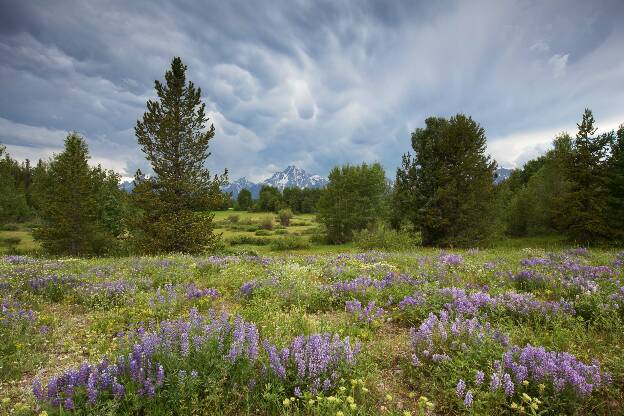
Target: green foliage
[[249, 240], [233, 219], [615, 185], [530, 202], [269, 200], [446, 190], [172, 136], [267, 222], [244, 199], [290, 242], [302, 200], [14, 181], [353, 199], [285, 215], [384, 238], [81, 210], [585, 219]]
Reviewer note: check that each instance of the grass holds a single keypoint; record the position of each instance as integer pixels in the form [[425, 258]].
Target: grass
[[27, 243], [79, 314]]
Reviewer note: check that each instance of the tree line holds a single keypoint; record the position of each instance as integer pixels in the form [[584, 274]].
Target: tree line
[[444, 193], [271, 199]]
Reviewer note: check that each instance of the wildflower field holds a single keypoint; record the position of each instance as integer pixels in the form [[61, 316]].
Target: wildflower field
[[501, 331]]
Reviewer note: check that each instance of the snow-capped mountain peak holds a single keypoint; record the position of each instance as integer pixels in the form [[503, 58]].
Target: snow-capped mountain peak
[[291, 177]]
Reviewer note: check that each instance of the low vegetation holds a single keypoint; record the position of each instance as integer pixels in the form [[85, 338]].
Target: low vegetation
[[419, 332]]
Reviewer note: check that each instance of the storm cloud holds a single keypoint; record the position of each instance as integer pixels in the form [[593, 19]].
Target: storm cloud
[[310, 83]]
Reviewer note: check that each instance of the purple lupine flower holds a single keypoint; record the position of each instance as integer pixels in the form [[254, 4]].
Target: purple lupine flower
[[92, 391], [118, 390], [479, 377], [149, 388], [37, 389], [69, 404], [508, 385], [451, 259], [160, 376], [495, 382], [460, 388], [468, 399]]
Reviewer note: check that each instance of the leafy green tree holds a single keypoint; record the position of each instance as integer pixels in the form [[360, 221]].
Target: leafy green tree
[[585, 217], [174, 203], [244, 199], [293, 198], [447, 189], [269, 199], [78, 204], [353, 200], [530, 202]]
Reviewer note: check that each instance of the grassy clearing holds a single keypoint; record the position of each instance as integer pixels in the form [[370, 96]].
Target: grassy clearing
[[22, 233]]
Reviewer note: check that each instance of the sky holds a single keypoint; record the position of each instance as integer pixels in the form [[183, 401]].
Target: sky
[[308, 83]]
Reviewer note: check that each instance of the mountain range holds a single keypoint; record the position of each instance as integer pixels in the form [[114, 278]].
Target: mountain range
[[291, 177]]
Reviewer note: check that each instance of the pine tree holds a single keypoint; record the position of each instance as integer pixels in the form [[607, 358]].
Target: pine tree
[[584, 215], [446, 190], [615, 178], [68, 215], [13, 198], [174, 203]]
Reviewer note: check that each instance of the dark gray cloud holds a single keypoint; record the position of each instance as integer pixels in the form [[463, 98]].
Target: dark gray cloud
[[308, 83]]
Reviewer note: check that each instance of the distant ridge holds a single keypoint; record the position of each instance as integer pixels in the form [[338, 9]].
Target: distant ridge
[[291, 177], [294, 177]]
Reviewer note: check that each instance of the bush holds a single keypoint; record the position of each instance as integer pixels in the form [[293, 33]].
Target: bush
[[263, 232], [233, 218], [285, 215], [384, 239], [267, 223], [11, 241], [9, 227], [290, 243], [246, 239], [281, 231]]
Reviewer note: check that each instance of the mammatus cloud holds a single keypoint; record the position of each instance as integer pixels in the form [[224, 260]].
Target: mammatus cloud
[[309, 83]]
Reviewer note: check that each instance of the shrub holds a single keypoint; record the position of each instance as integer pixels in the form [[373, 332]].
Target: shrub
[[9, 227], [290, 243], [384, 239], [247, 239], [263, 232], [11, 241], [233, 218], [280, 231], [285, 215], [267, 223]]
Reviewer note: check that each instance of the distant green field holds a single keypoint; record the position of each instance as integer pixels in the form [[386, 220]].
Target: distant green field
[[245, 230], [26, 244]]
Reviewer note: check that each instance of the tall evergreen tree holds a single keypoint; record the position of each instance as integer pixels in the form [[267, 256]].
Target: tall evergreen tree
[[13, 197], [615, 177], [585, 217], [446, 190], [71, 214], [174, 203]]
